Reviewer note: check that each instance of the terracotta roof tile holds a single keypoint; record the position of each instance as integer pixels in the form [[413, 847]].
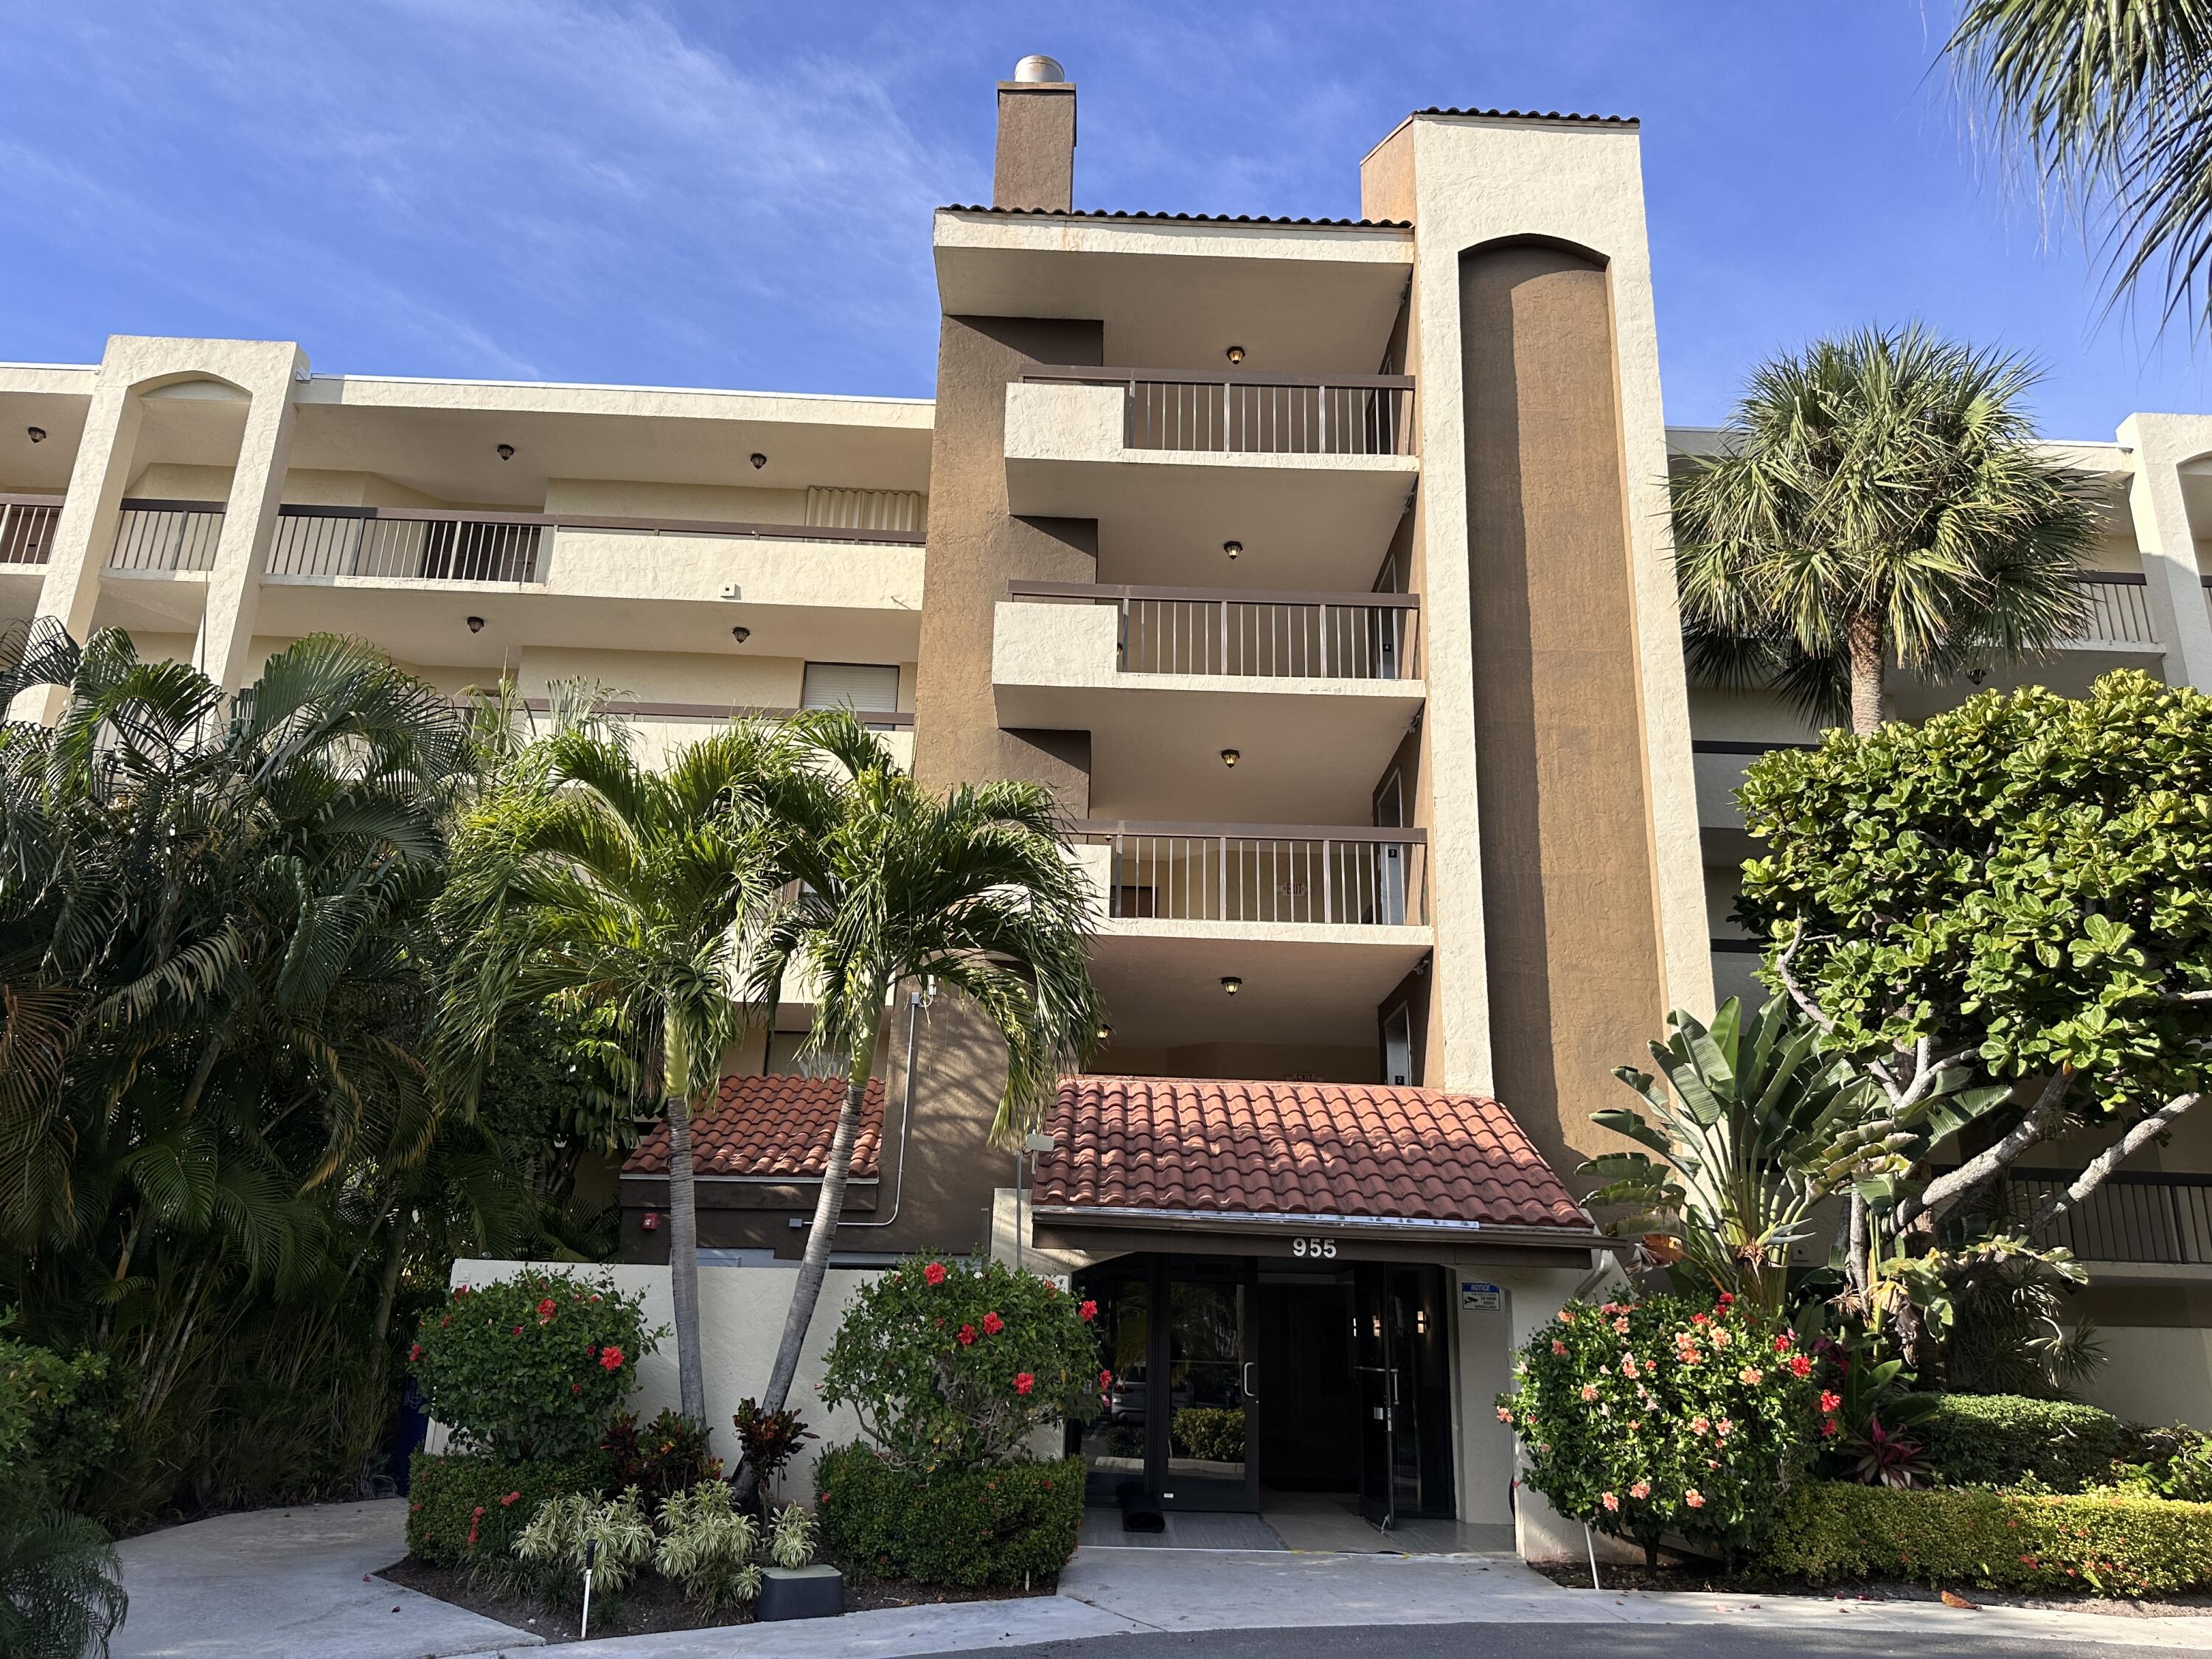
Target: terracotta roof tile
[[770, 1126], [1537, 115], [1179, 218], [1296, 1149]]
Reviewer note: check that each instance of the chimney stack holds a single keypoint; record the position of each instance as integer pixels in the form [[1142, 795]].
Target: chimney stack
[[1036, 138]]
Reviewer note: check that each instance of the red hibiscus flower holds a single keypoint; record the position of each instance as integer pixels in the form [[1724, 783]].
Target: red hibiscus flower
[[1800, 1366], [993, 1324], [1089, 1310], [1727, 1298], [546, 1310], [934, 1273], [518, 1330], [1830, 1400], [1105, 1380], [967, 1335], [575, 1387], [610, 1357], [414, 1353], [1024, 1382], [510, 1500], [461, 1290], [1782, 1343]]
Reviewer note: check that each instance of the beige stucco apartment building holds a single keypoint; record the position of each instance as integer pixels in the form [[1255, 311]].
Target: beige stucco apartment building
[[1321, 568]]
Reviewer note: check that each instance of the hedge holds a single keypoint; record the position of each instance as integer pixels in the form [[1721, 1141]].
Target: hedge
[[2002, 1439], [2109, 1544], [462, 1511], [973, 1529]]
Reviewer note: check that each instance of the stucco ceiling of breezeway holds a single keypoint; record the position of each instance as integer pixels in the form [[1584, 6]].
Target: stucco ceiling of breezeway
[[1161, 982]]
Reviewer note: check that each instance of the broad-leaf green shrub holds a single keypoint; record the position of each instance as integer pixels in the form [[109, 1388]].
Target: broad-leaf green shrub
[[1662, 1414], [530, 1366], [463, 1511], [61, 1592], [2106, 1543], [2165, 1462], [2000, 1440], [974, 1528], [955, 1364], [57, 1415]]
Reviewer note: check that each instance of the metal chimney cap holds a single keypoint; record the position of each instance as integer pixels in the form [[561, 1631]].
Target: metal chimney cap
[[1038, 67]]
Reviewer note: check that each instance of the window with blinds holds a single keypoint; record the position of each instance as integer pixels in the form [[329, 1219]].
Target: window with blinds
[[869, 688], [904, 510]]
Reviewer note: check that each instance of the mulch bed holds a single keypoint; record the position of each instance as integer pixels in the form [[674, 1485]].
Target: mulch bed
[[1699, 1577], [651, 1605]]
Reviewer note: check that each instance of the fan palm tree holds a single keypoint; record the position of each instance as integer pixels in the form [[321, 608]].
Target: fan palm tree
[[2110, 100], [973, 889], [1877, 499], [585, 874]]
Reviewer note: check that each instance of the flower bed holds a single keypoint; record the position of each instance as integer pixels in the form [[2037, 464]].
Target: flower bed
[[2106, 1543]]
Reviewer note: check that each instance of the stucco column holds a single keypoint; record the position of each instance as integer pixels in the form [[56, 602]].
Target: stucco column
[[2173, 579], [249, 524], [90, 512]]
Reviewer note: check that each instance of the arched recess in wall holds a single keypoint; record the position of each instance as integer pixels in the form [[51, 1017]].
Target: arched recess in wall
[[1570, 896]]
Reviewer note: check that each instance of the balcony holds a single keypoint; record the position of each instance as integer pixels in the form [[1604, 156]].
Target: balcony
[[655, 584], [2146, 1225], [26, 535], [1310, 692], [1316, 925], [1309, 475], [660, 728]]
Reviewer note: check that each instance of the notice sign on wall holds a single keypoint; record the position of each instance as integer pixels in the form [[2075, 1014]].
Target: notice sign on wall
[[1476, 1296]]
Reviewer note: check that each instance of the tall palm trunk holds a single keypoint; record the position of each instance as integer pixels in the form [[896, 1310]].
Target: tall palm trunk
[[683, 1232], [814, 1266], [1865, 648]]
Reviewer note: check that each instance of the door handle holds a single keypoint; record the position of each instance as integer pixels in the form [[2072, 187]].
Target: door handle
[[1248, 1395]]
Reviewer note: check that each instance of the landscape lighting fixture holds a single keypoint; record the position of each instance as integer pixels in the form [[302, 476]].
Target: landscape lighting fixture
[[1230, 756], [759, 460], [476, 624], [741, 633], [1236, 355], [507, 452], [1231, 984], [37, 434], [1232, 548]]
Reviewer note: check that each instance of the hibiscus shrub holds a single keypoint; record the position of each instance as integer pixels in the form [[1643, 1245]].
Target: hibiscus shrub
[[1664, 1415], [531, 1366], [958, 1364]]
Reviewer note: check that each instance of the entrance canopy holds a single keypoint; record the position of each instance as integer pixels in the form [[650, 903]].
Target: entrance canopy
[[1360, 1171]]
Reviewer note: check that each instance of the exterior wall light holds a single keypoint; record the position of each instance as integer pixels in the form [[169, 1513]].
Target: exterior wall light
[[507, 452], [741, 633], [1105, 1032], [1236, 355], [1231, 757], [759, 460], [651, 1221], [37, 434], [1232, 548], [1231, 984], [476, 624]]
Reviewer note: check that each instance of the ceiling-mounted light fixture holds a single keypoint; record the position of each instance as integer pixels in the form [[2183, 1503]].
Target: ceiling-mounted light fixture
[[741, 633], [507, 452], [1231, 757], [37, 434], [759, 460], [1236, 355], [1231, 984], [1105, 1032], [476, 624], [1232, 548]]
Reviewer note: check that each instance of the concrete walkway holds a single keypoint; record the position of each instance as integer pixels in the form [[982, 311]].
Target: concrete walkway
[[300, 1582], [293, 1583]]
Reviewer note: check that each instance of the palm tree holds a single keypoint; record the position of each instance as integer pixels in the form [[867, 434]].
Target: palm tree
[[1877, 499], [584, 874], [973, 890], [2112, 102]]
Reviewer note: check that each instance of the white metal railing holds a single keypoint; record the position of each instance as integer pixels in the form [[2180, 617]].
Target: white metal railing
[[1255, 633], [157, 535], [1263, 873], [1257, 414], [410, 546], [27, 527]]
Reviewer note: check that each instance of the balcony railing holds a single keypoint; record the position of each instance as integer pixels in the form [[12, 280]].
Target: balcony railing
[[2162, 1219], [875, 719], [2119, 609], [1264, 873], [1256, 414], [1253, 633], [158, 535], [27, 527], [419, 544]]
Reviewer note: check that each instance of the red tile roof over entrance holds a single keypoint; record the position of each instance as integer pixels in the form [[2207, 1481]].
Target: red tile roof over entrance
[[1296, 1149], [770, 1126]]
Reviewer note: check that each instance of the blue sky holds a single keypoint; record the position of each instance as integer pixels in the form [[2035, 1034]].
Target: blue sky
[[738, 194]]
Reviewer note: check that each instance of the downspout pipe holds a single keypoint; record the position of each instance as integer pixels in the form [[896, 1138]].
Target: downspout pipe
[[915, 1002]]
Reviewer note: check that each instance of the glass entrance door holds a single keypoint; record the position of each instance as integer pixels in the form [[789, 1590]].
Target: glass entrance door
[[1208, 1461], [1401, 1356]]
